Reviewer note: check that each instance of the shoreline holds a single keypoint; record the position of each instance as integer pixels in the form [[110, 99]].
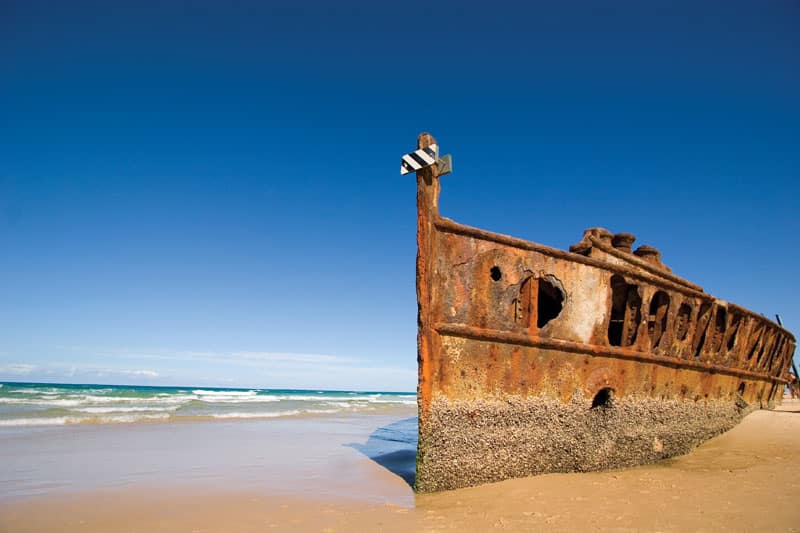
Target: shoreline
[[742, 480], [31, 405], [165, 418]]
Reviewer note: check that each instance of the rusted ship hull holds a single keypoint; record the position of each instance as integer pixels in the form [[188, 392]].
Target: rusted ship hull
[[536, 360]]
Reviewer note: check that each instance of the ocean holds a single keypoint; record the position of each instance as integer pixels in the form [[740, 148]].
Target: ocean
[[49, 404]]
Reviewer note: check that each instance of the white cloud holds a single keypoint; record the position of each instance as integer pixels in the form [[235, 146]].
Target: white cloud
[[17, 369], [73, 371], [234, 357], [116, 372], [234, 368]]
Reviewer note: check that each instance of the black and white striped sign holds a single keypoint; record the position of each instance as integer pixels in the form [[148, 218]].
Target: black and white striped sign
[[421, 158]]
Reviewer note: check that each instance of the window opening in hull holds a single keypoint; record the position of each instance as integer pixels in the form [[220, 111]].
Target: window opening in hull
[[626, 312], [550, 302], [540, 301], [703, 318], [657, 318], [683, 321]]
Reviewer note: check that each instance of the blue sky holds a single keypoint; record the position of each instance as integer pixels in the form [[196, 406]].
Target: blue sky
[[208, 193]]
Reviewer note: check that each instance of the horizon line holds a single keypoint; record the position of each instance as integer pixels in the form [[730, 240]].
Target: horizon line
[[198, 387]]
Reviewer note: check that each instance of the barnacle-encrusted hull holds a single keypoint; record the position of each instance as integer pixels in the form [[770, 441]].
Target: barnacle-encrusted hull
[[535, 360]]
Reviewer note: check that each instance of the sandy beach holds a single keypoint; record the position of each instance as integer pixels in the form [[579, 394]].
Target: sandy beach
[[350, 474]]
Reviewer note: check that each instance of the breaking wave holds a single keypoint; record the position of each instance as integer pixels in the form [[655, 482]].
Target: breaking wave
[[59, 405]]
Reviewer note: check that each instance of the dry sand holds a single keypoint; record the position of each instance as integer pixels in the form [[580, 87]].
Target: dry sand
[[744, 480]]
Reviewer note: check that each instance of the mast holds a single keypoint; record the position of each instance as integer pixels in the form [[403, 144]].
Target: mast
[[427, 212]]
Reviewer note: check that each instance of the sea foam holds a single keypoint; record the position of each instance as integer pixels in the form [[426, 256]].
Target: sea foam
[[54, 405], [268, 414]]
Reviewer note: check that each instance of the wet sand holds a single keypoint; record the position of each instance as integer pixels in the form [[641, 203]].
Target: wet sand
[[744, 480]]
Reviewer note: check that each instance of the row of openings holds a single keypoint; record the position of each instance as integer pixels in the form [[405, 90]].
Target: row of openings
[[767, 349], [713, 330], [626, 314]]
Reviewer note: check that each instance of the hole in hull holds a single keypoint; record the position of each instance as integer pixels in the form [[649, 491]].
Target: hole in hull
[[550, 302], [683, 321], [703, 318], [736, 322], [625, 312], [755, 341], [603, 399], [540, 301], [718, 334], [657, 318]]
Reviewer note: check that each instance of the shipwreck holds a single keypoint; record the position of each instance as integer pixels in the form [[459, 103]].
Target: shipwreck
[[535, 360]]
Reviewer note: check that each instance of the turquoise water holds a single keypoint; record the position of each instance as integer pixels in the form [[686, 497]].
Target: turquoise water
[[46, 404]]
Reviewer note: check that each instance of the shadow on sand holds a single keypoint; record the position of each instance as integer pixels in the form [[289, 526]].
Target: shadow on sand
[[394, 447]]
